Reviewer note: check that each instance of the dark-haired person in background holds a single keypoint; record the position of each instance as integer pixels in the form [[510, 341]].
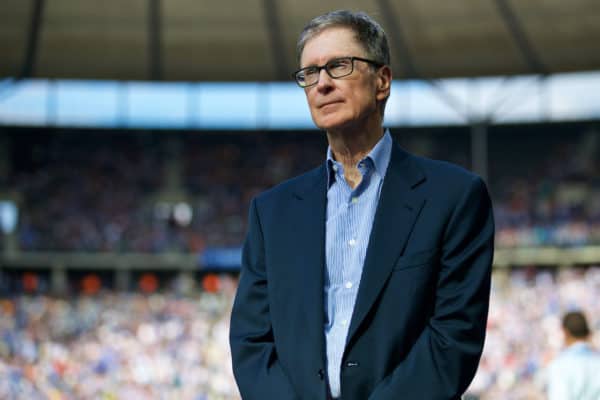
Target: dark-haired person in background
[[575, 373], [369, 276]]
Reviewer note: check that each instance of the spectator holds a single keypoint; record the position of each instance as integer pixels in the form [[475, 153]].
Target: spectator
[[573, 375]]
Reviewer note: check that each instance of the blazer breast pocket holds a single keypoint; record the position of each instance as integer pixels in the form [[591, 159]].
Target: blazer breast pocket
[[418, 259]]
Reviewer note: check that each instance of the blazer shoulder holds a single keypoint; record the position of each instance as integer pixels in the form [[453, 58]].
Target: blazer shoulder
[[443, 182], [440, 172]]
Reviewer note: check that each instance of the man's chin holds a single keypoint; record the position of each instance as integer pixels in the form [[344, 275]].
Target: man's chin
[[331, 123]]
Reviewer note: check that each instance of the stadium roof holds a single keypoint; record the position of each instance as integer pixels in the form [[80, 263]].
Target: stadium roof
[[254, 40]]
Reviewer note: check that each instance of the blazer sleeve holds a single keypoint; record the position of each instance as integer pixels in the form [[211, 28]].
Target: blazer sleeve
[[444, 358], [256, 367]]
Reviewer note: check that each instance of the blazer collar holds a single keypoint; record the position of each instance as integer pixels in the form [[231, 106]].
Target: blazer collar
[[402, 166], [314, 185]]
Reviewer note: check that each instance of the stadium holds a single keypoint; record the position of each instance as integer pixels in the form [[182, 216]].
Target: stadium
[[133, 136]]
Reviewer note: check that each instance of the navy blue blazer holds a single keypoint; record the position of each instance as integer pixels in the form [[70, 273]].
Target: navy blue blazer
[[418, 325]]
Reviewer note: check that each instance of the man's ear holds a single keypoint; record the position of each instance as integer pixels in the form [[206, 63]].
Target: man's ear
[[384, 82]]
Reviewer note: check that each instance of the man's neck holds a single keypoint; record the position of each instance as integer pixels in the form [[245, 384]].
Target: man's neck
[[349, 146], [570, 340]]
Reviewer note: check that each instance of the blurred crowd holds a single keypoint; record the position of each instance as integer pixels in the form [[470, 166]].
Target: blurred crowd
[[173, 344], [161, 346], [524, 328], [79, 193], [157, 192], [546, 186], [146, 192]]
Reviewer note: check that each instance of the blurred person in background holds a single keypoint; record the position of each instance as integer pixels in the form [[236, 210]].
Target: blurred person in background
[[369, 276], [575, 373]]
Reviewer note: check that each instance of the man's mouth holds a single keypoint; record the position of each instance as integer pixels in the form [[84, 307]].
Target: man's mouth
[[329, 103]]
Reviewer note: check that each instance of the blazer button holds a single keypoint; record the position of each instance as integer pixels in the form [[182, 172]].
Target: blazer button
[[321, 374]]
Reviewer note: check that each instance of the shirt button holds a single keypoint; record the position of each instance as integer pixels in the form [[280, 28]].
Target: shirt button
[[352, 242], [354, 200], [348, 285], [344, 322]]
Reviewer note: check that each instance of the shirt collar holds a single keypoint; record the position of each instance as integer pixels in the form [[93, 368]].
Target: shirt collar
[[579, 347], [380, 155]]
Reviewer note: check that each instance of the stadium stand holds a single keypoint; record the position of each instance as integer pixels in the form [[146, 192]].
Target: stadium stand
[[102, 346], [95, 191], [116, 346], [110, 195], [545, 185]]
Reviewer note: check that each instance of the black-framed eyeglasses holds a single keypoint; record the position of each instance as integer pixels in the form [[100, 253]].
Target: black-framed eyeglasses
[[336, 68]]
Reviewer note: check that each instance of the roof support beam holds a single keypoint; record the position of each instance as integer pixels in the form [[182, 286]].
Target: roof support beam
[[155, 59], [31, 51], [515, 27], [276, 40], [479, 149], [393, 26], [410, 70]]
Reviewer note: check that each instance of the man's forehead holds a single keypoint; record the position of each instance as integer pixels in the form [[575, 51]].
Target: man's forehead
[[331, 42]]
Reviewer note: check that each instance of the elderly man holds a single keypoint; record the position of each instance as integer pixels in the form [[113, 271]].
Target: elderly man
[[369, 276]]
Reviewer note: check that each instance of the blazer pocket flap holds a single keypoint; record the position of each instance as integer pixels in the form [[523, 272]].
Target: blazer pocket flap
[[416, 259]]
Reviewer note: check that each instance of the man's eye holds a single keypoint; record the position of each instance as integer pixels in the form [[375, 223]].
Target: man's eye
[[310, 71], [338, 64]]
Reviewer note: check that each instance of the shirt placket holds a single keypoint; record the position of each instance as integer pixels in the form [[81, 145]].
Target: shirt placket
[[352, 239]]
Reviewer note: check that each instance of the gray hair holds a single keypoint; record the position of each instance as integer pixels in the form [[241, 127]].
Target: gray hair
[[368, 32]]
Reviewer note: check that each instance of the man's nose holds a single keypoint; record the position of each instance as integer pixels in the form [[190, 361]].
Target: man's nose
[[325, 81]]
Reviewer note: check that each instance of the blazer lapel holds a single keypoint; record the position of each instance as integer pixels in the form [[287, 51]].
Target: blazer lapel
[[396, 214], [310, 211]]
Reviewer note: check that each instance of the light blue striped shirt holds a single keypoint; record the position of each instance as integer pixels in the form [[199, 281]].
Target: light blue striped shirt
[[350, 215]]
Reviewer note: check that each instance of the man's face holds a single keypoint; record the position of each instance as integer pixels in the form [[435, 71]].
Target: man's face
[[347, 101]]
